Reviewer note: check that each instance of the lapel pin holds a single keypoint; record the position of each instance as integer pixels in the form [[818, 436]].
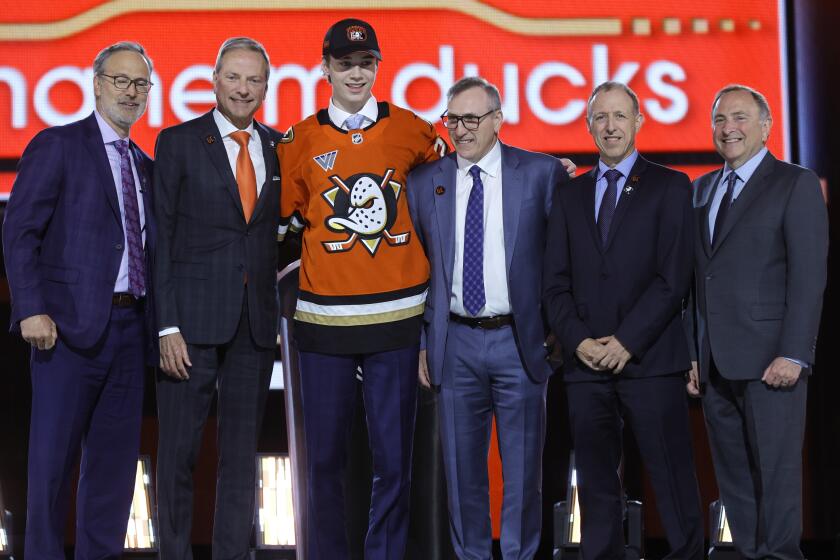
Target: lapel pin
[[439, 190], [634, 180], [271, 143], [210, 139]]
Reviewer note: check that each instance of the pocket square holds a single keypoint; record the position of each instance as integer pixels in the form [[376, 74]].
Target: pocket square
[[275, 178]]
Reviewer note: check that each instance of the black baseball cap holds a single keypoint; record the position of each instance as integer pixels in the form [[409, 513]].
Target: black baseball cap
[[349, 36]]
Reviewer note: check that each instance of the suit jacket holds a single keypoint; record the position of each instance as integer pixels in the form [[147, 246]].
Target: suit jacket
[[634, 286], [759, 291], [63, 234], [206, 250], [528, 182]]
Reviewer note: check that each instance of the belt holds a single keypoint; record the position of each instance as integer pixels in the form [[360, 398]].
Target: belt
[[487, 323], [124, 299]]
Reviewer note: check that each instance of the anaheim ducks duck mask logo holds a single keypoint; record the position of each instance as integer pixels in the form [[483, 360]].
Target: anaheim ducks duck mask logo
[[364, 207]]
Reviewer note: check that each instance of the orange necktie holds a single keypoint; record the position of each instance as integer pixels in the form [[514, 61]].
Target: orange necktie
[[246, 179]]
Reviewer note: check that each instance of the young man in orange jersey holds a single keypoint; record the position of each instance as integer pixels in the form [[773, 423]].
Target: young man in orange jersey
[[363, 284]]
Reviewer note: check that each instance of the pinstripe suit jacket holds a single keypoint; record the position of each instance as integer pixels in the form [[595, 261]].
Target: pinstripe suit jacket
[[206, 249]]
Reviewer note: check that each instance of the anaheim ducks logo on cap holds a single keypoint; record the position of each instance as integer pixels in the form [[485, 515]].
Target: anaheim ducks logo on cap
[[356, 33]]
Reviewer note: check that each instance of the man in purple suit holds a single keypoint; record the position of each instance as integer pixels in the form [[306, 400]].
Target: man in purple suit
[[77, 235]]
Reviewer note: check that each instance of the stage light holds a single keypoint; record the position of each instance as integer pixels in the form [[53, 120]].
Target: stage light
[[567, 523], [141, 534], [567, 518], [275, 513], [573, 522], [724, 536], [5, 533], [5, 529], [721, 545]]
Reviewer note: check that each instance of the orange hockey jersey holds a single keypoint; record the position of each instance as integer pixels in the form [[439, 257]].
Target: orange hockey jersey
[[363, 275]]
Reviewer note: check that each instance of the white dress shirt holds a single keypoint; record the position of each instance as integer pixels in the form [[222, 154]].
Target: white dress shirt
[[495, 271], [109, 136], [226, 128], [339, 116]]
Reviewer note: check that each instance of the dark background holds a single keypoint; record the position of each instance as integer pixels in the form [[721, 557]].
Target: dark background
[[814, 52]]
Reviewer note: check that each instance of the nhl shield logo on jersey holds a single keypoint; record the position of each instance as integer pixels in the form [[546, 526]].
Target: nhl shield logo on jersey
[[364, 207]]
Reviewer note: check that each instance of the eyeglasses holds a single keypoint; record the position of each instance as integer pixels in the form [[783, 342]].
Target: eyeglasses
[[470, 122], [123, 82]]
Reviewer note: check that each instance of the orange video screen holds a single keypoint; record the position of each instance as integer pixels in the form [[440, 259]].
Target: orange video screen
[[545, 56]]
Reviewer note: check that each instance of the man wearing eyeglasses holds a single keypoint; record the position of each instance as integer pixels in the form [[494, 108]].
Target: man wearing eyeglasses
[[77, 237], [481, 216]]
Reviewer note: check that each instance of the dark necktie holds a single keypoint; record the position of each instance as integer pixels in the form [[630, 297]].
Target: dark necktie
[[473, 281], [133, 237], [723, 210], [607, 209]]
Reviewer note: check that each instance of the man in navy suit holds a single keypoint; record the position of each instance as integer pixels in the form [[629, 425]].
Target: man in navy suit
[[77, 235], [481, 216], [617, 268]]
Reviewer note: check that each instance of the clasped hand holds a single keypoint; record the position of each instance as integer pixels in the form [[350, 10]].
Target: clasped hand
[[603, 354]]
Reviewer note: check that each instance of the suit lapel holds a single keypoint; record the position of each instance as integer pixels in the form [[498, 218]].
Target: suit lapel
[[145, 191], [445, 212], [749, 193], [710, 188], [93, 143], [587, 199], [626, 196], [511, 201], [214, 144], [270, 159]]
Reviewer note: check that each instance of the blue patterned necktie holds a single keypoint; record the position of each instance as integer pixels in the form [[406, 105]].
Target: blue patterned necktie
[[133, 237], [607, 209], [723, 209], [354, 122], [473, 281]]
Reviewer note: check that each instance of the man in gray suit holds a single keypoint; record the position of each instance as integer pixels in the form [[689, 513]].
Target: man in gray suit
[[481, 216], [217, 197], [760, 271]]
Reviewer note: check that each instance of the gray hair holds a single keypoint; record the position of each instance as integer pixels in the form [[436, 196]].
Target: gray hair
[[104, 54], [609, 86], [758, 97], [242, 43], [470, 82]]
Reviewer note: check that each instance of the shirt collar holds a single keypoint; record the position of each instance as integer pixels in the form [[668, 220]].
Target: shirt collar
[[337, 115], [109, 135], [491, 163], [226, 128], [625, 166], [747, 169]]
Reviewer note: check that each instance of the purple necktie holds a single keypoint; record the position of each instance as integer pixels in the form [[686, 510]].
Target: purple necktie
[[605, 213], [473, 281], [723, 209], [133, 238]]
